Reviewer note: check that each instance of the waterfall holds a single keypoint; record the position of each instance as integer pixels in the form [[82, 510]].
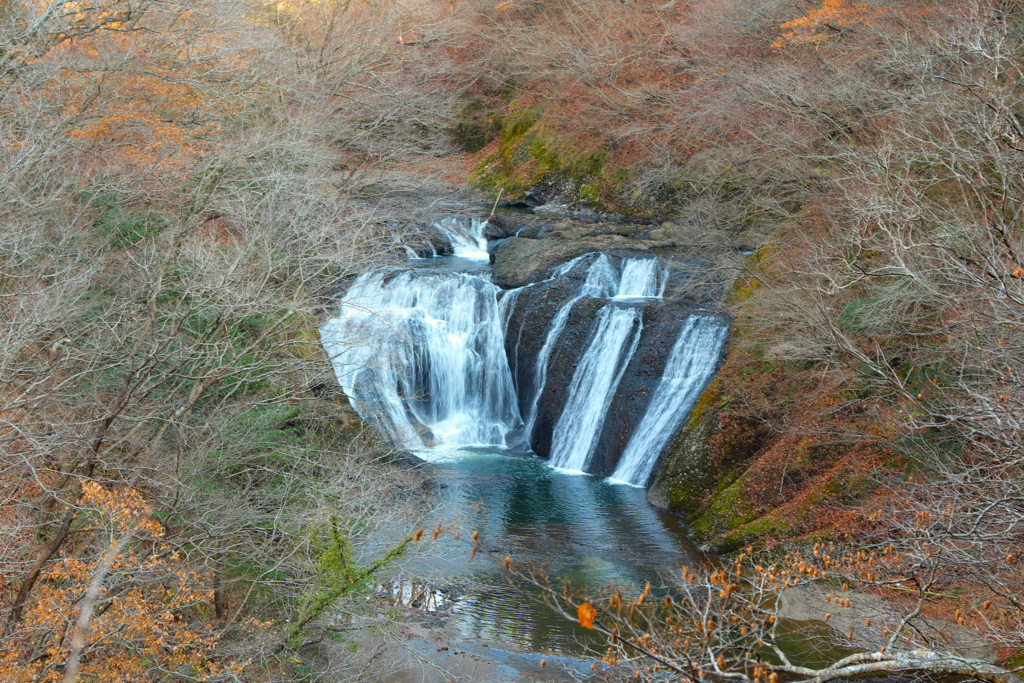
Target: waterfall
[[421, 357], [467, 237], [541, 373], [691, 365], [593, 386], [641, 278], [620, 278], [637, 278], [507, 304], [602, 278]]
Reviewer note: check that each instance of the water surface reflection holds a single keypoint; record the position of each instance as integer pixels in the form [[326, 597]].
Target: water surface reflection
[[576, 527]]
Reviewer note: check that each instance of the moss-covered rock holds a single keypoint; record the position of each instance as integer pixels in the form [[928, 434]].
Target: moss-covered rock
[[698, 472], [683, 481], [728, 509], [750, 533], [530, 157], [708, 485]]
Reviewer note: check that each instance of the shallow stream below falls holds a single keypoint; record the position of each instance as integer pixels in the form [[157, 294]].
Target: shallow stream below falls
[[592, 369]]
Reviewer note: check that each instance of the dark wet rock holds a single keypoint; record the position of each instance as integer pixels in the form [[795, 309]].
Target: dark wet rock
[[525, 335], [572, 344], [539, 194], [532, 245], [427, 240], [409, 461], [527, 201], [508, 223], [639, 381], [519, 261]]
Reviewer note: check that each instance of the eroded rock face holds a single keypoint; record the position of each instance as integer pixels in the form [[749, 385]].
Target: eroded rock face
[[513, 223], [633, 396], [525, 248], [427, 240], [543, 389], [526, 333], [519, 261], [567, 354]]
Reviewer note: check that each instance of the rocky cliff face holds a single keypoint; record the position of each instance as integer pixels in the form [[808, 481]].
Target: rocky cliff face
[[730, 470], [758, 460], [526, 333], [526, 249], [662, 323]]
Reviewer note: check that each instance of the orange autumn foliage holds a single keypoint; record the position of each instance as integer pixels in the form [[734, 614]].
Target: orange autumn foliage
[[833, 15], [139, 91], [586, 614], [146, 619]]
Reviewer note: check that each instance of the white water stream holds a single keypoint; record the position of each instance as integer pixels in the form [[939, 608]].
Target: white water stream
[[593, 385], [421, 355], [467, 237], [638, 278], [691, 365], [422, 358]]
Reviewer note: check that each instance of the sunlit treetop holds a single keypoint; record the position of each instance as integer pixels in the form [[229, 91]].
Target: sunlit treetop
[[820, 24]]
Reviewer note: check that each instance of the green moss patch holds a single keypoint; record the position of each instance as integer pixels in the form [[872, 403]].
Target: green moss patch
[[529, 153]]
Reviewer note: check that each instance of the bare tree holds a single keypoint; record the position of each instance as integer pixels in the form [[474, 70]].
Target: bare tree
[[908, 286], [902, 280], [734, 621], [174, 226]]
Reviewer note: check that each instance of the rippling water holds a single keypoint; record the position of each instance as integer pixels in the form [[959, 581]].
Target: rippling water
[[576, 527]]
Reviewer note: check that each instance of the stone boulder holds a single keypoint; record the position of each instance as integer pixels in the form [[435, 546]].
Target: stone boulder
[[426, 240], [526, 248]]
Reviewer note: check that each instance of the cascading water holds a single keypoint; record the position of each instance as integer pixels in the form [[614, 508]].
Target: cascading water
[[541, 372], [614, 278], [690, 367], [467, 237], [593, 385], [428, 355], [421, 357], [641, 278], [638, 278]]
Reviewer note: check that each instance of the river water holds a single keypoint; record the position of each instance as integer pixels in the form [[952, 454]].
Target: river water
[[579, 528], [423, 356]]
